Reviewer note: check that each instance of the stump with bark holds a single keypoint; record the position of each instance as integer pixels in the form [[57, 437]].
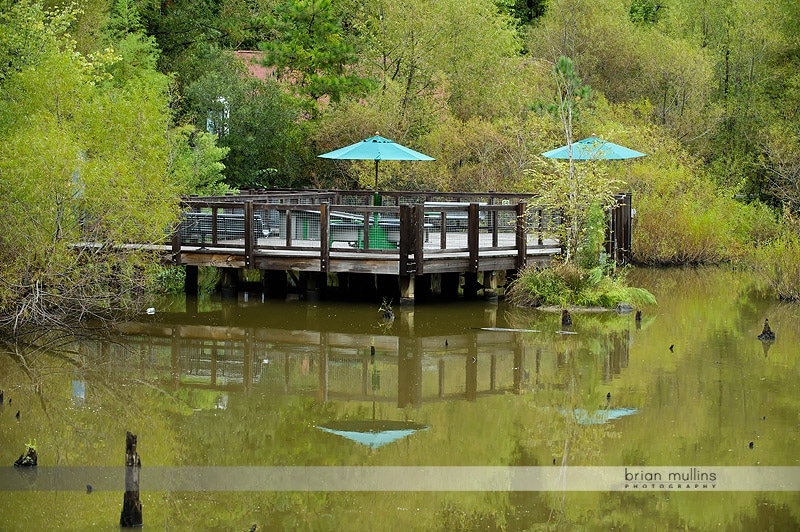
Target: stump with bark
[[131, 505], [29, 459]]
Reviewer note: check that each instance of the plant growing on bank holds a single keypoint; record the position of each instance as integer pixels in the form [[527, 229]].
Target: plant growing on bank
[[683, 218], [778, 261], [578, 194], [566, 284]]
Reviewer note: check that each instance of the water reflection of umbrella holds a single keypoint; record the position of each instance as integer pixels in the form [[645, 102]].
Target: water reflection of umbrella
[[593, 148], [601, 416], [373, 434], [376, 149]]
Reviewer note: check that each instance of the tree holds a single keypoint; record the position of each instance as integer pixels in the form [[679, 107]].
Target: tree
[[84, 158], [254, 119], [600, 40], [742, 47], [199, 159], [573, 196], [312, 52], [444, 51]]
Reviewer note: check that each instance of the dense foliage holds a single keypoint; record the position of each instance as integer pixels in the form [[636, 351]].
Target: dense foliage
[[89, 158], [708, 91], [111, 111]]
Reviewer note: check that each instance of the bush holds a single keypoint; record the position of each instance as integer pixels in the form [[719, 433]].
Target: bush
[[167, 280], [778, 261], [567, 284], [683, 218]]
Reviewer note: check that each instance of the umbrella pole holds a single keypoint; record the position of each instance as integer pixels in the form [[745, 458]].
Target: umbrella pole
[[376, 198]]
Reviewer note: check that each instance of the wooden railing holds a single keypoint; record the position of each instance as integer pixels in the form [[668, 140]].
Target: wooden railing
[[409, 232], [408, 226]]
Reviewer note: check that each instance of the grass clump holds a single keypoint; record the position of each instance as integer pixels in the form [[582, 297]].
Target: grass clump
[[566, 284]]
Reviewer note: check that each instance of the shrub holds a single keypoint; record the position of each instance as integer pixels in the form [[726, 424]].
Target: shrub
[[778, 261], [683, 218], [567, 284]]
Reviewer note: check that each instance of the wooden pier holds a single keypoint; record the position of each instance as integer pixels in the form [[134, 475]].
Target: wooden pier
[[422, 244]]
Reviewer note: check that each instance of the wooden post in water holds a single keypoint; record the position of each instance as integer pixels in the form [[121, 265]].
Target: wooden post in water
[[131, 505]]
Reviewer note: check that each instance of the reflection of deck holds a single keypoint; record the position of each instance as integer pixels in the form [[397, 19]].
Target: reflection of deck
[[335, 365], [332, 365]]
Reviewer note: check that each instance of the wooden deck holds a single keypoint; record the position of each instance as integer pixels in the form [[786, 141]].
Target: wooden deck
[[408, 235], [405, 239]]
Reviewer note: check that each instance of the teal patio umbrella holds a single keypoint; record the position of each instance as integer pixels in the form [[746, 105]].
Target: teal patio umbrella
[[376, 149], [601, 416], [372, 433], [593, 148]]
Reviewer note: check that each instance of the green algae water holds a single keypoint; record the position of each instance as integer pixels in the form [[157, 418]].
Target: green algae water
[[324, 416]]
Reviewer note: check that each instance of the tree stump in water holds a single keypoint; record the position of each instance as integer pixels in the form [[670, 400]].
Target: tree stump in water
[[766, 333], [29, 459], [566, 319], [131, 505]]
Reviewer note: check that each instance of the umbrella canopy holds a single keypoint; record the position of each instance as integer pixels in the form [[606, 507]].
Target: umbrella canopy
[[373, 434], [376, 149], [593, 148], [601, 416]]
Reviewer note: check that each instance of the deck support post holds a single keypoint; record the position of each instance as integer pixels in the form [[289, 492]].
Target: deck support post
[[311, 282], [229, 283], [192, 283], [191, 287], [471, 285], [522, 235], [406, 290], [490, 286]]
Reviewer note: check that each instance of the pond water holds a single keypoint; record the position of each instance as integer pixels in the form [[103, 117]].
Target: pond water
[[268, 413]]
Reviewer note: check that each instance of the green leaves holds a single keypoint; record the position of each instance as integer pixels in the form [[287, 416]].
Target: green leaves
[[83, 157], [310, 50], [258, 122]]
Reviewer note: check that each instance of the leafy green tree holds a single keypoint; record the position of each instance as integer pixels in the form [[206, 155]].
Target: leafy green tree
[[678, 82], [181, 26], [629, 61], [598, 37], [82, 159], [646, 11], [311, 51], [746, 43], [254, 119], [444, 50], [524, 11], [573, 191], [198, 159]]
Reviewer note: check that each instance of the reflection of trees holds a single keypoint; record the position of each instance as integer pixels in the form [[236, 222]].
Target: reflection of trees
[[267, 424], [77, 399]]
